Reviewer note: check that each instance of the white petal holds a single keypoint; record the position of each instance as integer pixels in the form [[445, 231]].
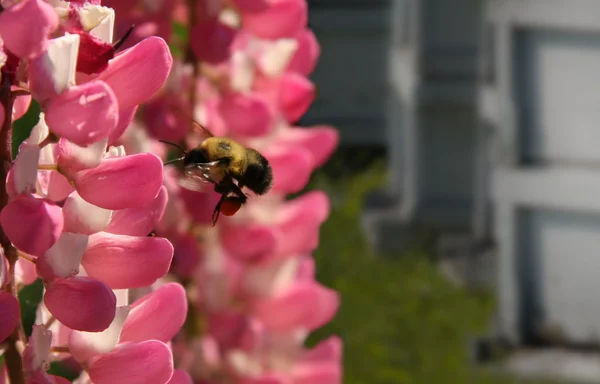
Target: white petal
[[242, 72], [87, 157], [65, 255], [25, 168], [122, 296], [99, 20], [243, 363], [276, 56], [275, 277], [86, 217], [61, 7], [38, 350], [118, 151], [230, 17], [84, 345], [61, 60], [40, 132]]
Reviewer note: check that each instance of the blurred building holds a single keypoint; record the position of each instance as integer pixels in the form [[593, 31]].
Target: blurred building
[[351, 74], [493, 132]]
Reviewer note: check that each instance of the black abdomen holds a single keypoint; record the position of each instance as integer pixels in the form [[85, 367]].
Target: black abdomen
[[259, 175]]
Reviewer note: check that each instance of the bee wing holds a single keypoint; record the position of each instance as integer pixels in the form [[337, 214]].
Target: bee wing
[[193, 184], [198, 175], [202, 128]]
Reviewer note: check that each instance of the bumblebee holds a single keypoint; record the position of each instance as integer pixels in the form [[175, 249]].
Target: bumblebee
[[228, 165]]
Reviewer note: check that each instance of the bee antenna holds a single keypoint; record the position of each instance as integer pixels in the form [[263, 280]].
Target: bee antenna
[[175, 145], [173, 161]]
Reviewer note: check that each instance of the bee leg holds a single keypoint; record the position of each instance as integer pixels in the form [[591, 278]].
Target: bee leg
[[238, 191], [217, 211]]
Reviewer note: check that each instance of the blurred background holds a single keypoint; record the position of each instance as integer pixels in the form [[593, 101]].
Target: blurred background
[[466, 192]]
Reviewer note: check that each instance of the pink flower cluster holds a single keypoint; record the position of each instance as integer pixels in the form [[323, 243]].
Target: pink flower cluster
[[79, 208], [254, 298]]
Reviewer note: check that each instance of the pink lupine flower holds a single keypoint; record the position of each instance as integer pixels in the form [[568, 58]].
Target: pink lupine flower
[[83, 114], [81, 303], [148, 318], [127, 261], [211, 41], [246, 115], [9, 314], [305, 58], [136, 74], [40, 223], [280, 18], [143, 362], [25, 27], [110, 184], [139, 221]]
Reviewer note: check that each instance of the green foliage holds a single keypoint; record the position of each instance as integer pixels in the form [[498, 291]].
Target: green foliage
[[401, 321], [58, 369], [29, 299], [23, 126]]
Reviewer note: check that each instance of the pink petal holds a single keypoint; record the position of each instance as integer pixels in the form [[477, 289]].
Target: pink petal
[[211, 40], [306, 305], [139, 72], [306, 269], [307, 53], [24, 171], [10, 314], [157, 316], [300, 222], [37, 353], [297, 93], [200, 205], [126, 261], [252, 5], [25, 272], [249, 243], [133, 363], [73, 158], [186, 256], [121, 182], [246, 115], [320, 141], [181, 377], [291, 169], [63, 258], [81, 303], [267, 378], [139, 221], [165, 124], [32, 225], [25, 26], [328, 350], [317, 373], [84, 113], [126, 116], [85, 345], [20, 106], [83, 217], [283, 18]]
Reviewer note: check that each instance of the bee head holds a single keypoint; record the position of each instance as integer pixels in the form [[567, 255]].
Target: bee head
[[196, 155]]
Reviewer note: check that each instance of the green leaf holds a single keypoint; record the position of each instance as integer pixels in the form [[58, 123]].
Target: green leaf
[[59, 369], [29, 299], [23, 126]]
